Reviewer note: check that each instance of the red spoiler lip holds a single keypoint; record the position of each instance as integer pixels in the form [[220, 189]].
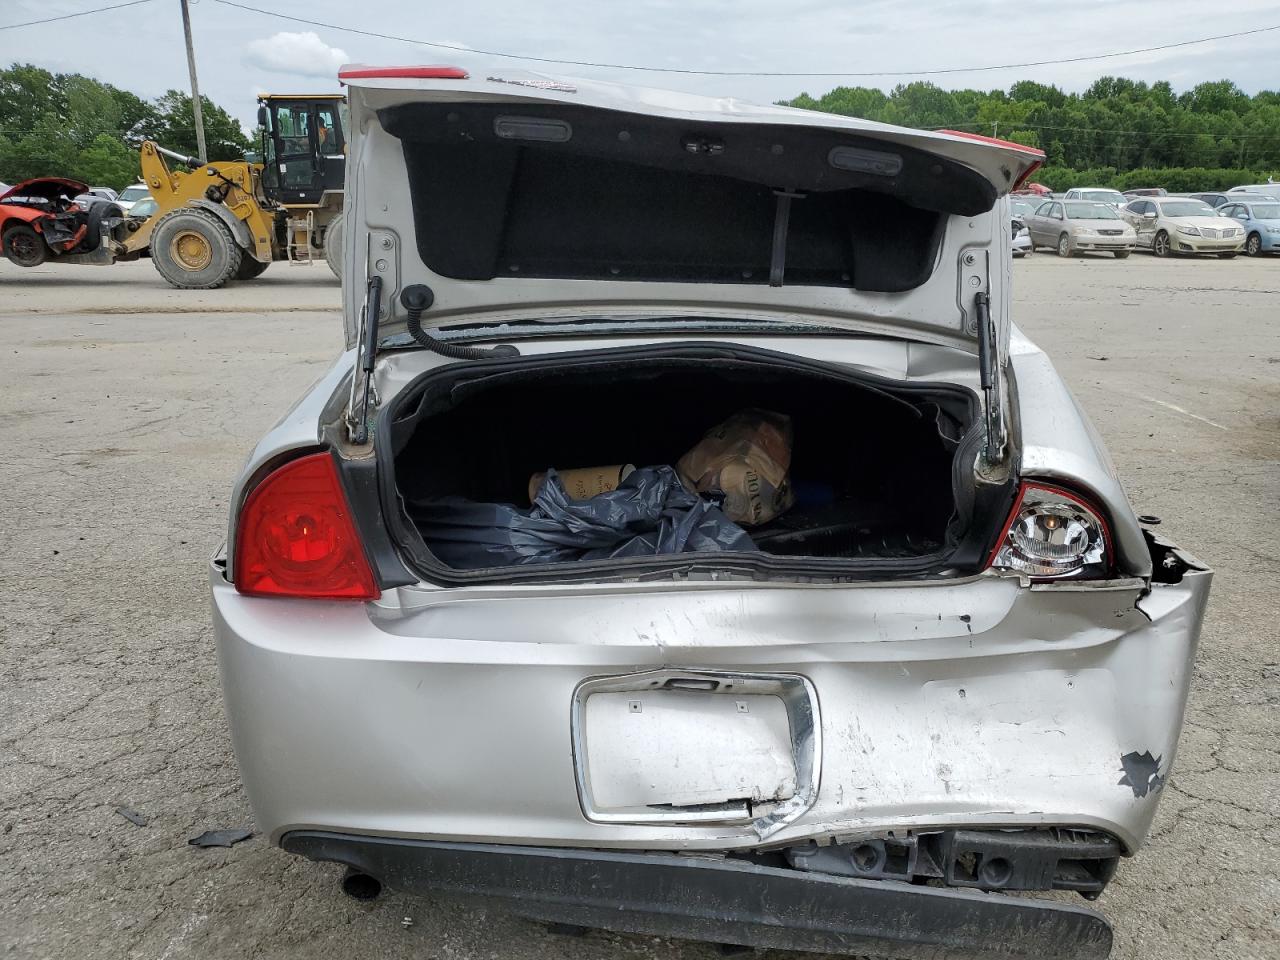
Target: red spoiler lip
[[402, 73], [1009, 144]]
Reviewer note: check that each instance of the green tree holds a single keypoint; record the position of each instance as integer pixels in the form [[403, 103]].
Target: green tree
[[70, 125], [43, 150], [175, 127], [28, 93], [108, 162], [1212, 135]]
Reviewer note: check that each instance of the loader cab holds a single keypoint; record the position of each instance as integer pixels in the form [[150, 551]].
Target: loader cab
[[303, 147]]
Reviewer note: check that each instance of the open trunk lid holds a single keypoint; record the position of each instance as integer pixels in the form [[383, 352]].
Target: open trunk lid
[[516, 197]]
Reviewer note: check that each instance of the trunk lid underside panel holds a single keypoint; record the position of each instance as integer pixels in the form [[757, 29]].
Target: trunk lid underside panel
[[508, 199]]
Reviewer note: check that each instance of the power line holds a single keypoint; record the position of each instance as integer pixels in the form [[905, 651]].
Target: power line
[[458, 48], [72, 16], [1032, 125]]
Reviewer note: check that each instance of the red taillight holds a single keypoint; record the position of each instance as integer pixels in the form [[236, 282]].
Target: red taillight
[[402, 73], [296, 537]]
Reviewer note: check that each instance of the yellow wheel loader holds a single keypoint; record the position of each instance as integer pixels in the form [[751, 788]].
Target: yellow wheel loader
[[229, 220]]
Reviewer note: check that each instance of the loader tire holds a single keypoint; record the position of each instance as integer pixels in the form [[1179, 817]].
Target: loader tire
[[24, 247], [333, 246], [194, 250], [250, 268]]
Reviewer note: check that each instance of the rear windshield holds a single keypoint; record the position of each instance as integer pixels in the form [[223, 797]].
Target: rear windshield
[[608, 195], [133, 193], [1186, 208], [1091, 211], [1102, 196]]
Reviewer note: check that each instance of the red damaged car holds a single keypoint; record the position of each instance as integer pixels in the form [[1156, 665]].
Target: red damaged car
[[40, 219]]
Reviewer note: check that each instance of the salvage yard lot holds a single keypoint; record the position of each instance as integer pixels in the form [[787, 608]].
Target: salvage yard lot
[[129, 407]]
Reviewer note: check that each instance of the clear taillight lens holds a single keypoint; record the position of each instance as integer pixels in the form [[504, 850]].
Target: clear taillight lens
[[1053, 534]]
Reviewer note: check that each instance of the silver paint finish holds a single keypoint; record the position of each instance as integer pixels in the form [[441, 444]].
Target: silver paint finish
[[980, 703], [1059, 443], [446, 713]]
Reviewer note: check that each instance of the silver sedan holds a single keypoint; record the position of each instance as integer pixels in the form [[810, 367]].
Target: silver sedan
[[1078, 226], [687, 541]]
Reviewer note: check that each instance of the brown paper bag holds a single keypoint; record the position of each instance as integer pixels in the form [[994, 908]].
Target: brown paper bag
[[745, 460], [583, 483]]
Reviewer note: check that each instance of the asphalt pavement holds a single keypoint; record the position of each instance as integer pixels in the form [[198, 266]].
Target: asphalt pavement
[[127, 409]]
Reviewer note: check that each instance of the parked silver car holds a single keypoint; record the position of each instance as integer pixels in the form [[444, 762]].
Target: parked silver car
[[95, 195], [1076, 226], [935, 657], [1022, 246]]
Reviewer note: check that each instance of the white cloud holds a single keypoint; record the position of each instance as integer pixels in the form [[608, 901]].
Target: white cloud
[[301, 54]]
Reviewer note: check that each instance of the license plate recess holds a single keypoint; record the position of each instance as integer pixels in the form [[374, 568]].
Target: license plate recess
[[696, 747]]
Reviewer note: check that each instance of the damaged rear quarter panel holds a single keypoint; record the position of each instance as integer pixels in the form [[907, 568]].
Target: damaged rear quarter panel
[[1058, 442]]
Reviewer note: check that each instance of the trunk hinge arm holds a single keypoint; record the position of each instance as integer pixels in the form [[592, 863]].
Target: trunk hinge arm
[[990, 380], [362, 378], [781, 223]]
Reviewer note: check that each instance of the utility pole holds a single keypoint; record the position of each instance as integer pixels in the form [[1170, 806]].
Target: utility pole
[[995, 128], [196, 107]]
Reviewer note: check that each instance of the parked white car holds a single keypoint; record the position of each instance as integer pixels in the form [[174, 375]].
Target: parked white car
[[1268, 189], [946, 665], [1097, 195], [1169, 225], [131, 195]]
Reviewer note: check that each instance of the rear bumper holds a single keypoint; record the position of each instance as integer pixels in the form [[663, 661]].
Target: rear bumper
[[724, 900], [447, 714]]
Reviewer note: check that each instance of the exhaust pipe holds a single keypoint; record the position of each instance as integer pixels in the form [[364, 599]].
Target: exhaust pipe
[[360, 886]]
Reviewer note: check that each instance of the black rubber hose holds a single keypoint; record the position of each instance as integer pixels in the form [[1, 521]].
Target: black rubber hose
[[416, 299]]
